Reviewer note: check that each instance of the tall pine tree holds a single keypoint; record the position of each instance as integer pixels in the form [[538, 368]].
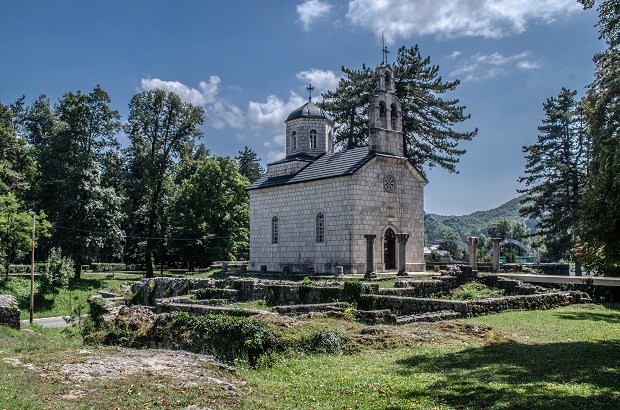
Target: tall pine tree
[[249, 164], [429, 136], [556, 173]]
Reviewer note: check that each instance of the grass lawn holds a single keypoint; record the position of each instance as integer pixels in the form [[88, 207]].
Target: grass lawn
[[567, 358], [76, 295]]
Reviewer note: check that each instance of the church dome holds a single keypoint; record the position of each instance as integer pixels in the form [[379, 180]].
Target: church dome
[[308, 110]]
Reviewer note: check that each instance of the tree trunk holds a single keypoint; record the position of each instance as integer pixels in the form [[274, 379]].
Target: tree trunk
[[148, 260], [78, 270]]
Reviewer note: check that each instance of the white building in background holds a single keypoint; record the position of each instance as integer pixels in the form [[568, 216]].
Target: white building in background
[[317, 209]]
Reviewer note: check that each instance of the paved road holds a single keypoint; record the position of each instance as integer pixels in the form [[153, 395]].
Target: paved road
[[47, 322]]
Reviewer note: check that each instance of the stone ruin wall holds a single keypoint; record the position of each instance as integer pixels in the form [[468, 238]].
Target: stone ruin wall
[[410, 297], [9, 313]]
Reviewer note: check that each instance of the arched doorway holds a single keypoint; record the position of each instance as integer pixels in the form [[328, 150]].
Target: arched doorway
[[389, 249]]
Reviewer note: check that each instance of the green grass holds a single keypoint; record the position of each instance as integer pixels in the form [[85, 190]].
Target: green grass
[[64, 303], [560, 359], [44, 388]]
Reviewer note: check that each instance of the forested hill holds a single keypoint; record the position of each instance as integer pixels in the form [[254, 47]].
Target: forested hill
[[473, 224]]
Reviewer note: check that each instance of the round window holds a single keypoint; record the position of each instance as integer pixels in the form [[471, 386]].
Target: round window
[[389, 183]]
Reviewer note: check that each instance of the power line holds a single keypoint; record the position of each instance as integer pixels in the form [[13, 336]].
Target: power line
[[139, 237]]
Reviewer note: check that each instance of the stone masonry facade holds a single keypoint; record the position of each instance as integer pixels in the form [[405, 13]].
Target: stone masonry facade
[[352, 207]]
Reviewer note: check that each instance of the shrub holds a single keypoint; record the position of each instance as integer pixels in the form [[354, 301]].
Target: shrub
[[107, 267], [226, 337], [58, 271], [330, 342], [207, 293], [355, 289]]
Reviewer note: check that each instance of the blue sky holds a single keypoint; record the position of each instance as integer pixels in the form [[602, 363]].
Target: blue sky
[[248, 63]]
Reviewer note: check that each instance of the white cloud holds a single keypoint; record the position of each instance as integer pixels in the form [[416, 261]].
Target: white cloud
[[222, 114], [205, 94], [454, 54], [311, 10], [321, 80], [272, 113], [219, 113], [276, 147], [454, 18], [480, 66]]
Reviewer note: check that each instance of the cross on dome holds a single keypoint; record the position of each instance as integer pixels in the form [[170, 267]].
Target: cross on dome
[[310, 88]]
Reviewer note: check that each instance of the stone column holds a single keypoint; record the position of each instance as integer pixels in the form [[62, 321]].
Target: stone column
[[370, 257], [473, 261], [402, 253], [495, 242]]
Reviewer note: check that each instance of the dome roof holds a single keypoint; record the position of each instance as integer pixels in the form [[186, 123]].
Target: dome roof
[[308, 110]]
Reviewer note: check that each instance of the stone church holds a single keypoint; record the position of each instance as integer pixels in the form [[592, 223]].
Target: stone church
[[361, 209]]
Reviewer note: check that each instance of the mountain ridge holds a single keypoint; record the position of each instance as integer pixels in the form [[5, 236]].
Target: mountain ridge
[[475, 223]]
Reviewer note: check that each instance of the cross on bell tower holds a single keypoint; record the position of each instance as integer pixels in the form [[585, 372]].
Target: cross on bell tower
[[310, 88], [384, 50]]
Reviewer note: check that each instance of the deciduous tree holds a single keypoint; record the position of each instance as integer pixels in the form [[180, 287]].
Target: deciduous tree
[[211, 214], [159, 126], [599, 244]]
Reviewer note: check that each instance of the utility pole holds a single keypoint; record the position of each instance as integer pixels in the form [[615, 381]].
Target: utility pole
[[32, 273]]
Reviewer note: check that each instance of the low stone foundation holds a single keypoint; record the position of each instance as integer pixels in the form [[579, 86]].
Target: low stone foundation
[[411, 306], [9, 313]]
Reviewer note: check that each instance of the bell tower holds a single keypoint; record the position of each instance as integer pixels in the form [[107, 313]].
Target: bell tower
[[385, 128]]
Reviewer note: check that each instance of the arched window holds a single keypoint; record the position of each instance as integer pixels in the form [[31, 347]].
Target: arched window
[[294, 141], [382, 120], [312, 139], [320, 228], [274, 229], [393, 116], [388, 81]]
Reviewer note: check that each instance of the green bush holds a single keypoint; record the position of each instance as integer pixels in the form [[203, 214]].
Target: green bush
[[58, 271], [226, 337], [207, 293], [107, 267], [330, 342], [39, 268], [355, 289]]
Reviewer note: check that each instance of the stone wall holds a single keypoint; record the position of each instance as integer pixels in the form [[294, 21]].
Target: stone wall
[[9, 313], [147, 291], [411, 306]]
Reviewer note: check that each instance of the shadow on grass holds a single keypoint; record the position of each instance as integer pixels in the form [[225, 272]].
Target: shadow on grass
[[581, 375], [608, 317]]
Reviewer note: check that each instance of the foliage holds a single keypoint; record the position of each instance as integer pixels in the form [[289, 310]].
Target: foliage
[[16, 231], [355, 290], [474, 290], [249, 164], [57, 273], [86, 215], [475, 223], [159, 126], [556, 173], [17, 168], [428, 120], [107, 267], [329, 341], [211, 214], [599, 245], [226, 337], [456, 252], [509, 229]]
